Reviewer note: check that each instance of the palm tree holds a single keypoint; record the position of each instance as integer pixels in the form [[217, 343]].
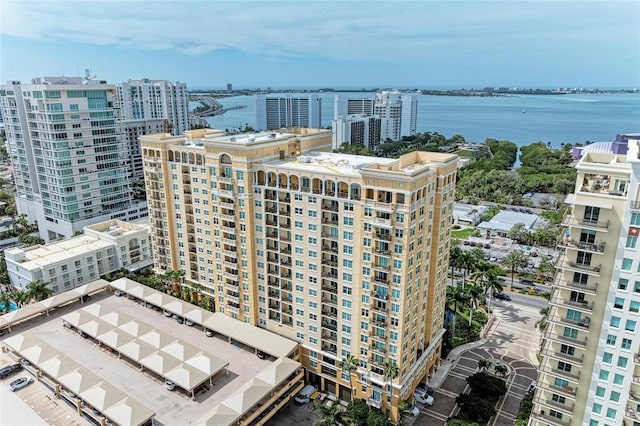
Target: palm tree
[[455, 296], [350, 364], [197, 288], [475, 293], [21, 297], [5, 301], [454, 260], [483, 363], [482, 270], [541, 324], [500, 369], [467, 260], [174, 278], [494, 285], [38, 290], [327, 414], [514, 260], [391, 372], [546, 269]]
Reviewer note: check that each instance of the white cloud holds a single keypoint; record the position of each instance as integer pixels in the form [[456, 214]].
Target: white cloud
[[340, 30]]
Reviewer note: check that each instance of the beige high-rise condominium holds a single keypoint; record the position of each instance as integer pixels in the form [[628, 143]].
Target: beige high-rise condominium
[[346, 254], [590, 368]]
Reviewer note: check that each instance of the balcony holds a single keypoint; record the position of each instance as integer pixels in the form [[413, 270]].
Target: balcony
[[582, 323], [330, 314], [567, 391], [580, 245], [227, 217], [332, 249], [229, 241], [579, 342], [330, 288], [582, 306], [225, 192], [374, 402], [565, 408], [579, 267], [330, 275], [329, 221], [330, 337], [330, 206], [330, 301], [383, 268], [330, 348], [381, 280], [383, 297], [225, 179], [545, 419], [631, 414], [330, 325], [636, 358], [381, 236], [586, 289], [585, 223], [378, 221], [634, 397], [378, 350], [561, 373], [573, 359]]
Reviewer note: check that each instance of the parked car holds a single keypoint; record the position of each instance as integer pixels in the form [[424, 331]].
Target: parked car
[[421, 396], [261, 355], [414, 411], [167, 314], [9, 370], [209, 333], [118, 293], [188, 322], [305, 394], [20, 383], [532, 386], [501, 296], [169, 385], [427, 389]]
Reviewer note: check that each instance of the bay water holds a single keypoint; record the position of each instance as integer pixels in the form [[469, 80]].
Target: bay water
[[522, 119]]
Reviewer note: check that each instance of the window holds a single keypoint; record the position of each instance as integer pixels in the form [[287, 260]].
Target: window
[[561, 383], [611, 413], [635, 219], [627, 264], [623, 283], [618, 379], [636, 287], [626, 343], [348, 221], [573, 315], [634, 306], [611, 340], [618, 303], [632, 242], [600, 391], [615, 322], [597, 408], [630, 325], [604, 375], [607, 358], [615, 396]]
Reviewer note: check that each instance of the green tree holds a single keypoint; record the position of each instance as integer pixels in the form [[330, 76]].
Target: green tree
[[514, 261], [541, 324], [350, 364], [475, 408], [21, 297], [347, 148], [501, 370], [546, 269], [476, 295], [490, 387], [327, 414], [38, 290], [454, 260], [493, 284], [390, 373], [376, 418], [5, 301], [483, 364], [467, 262], [356, 412]]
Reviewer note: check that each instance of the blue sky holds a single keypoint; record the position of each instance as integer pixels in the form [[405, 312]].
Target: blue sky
[[326, 44]]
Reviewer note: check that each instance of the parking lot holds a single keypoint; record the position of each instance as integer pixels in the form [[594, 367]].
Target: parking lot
[[171, 408]]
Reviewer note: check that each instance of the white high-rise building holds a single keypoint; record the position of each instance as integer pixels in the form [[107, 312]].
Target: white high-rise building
[[146, 107], [589, 370], [155, 99], [356, 130], [303, 111], [344, 105], [399, 114], [68, 154]]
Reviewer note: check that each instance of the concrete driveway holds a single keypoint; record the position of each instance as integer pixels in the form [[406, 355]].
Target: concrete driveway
[[512, 339]]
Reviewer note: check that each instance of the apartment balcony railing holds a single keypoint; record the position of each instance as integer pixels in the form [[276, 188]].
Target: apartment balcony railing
[[567, 391], [561, 373], [580, 245], [582, 323], [579, 267], [382, 222], [330, 207], [566, 408], [573, 359], [580, 342], [329, 325], [546, 419], [634, 396], [374, 402], [330, 301], [333, 249], [636, 358], [329, 313], [583, 306], [384, 237], [328, 221], [585, 223], [584, 288]]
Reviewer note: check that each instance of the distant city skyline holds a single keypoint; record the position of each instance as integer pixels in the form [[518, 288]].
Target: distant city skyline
[[327, 44]]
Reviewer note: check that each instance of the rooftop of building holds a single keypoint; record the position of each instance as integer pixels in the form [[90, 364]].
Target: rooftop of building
[[150, 337], [116, 228], [505, 220], [58, 252]]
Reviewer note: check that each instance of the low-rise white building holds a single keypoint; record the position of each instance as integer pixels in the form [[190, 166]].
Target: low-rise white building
[[501, 224], [103, 248], [468, 214]]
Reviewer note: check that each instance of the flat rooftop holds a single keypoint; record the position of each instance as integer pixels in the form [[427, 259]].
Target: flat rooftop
[[171, 408], [59, 251], [331, 163]]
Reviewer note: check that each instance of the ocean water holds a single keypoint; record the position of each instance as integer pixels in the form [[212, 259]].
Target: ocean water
[[521, 119]]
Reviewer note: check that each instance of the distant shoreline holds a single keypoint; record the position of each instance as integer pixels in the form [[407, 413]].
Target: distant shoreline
[[465, 92]]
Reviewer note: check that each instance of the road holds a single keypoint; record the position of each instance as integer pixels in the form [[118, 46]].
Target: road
[[512, 340]]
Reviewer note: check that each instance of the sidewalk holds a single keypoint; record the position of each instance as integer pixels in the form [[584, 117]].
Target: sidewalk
[[454, 356]]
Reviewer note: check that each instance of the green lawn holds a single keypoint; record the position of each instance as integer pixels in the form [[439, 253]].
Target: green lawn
[[462, 234], [465, 153]]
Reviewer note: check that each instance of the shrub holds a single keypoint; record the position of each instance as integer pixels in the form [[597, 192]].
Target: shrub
[[490, 387], [474, 408]]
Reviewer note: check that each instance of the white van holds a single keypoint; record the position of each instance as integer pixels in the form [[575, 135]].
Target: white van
[[305, 393]]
